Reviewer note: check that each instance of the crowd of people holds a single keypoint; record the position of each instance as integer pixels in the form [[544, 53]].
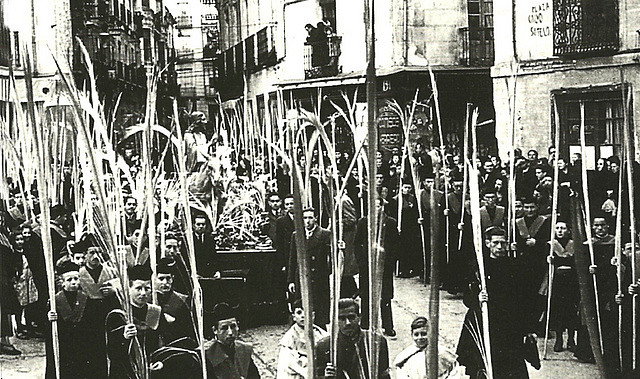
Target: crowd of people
[[154, 309]]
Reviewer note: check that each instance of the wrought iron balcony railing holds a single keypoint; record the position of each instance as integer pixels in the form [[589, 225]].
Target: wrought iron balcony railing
[[585, 27], [321, 58], [477, 46]]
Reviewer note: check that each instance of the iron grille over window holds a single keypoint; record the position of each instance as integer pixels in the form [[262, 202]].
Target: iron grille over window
[[585, 26]]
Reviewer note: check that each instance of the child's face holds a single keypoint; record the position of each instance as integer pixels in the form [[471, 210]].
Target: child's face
[[298, 317], [71, 281]]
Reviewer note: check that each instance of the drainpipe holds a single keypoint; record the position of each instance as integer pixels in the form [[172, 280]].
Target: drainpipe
[[513, 30], [34, 44], [406, 33]]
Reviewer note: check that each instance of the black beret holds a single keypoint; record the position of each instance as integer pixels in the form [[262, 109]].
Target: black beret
[[166, 266], [139, 272], [222, 311], [67, 266]]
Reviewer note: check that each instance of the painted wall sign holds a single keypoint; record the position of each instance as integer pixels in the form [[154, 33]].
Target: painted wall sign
[[534, 29]]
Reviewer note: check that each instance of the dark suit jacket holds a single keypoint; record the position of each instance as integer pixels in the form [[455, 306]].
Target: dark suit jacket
[[390, 244], [319, 252], [205, 250], [282, 243]]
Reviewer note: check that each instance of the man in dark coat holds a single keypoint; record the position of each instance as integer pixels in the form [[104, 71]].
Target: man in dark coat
[[606, 279], [284, 230], [10, 262], [75, 330], [532, 238], [131, 220], [352, 348], [145, 329], [175, 305], [204, 247], [227, 357], [453, 281], [33, 251], [274, 211], [318, 246], [509, 320], [491, 214], [390, 239], [410, 257], [282, 243]]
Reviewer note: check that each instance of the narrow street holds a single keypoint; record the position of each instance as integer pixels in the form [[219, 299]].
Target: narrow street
[[411, 300]]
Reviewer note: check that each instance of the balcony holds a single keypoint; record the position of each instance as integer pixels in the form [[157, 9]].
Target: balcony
[[321, 58], [477, 47], [583, 27]]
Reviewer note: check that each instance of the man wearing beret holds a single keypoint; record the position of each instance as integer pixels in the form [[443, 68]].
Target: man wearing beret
[[175, 305], [80, 353], [228, 358]]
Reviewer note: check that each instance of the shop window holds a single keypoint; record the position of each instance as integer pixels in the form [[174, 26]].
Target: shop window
[[603, 119]]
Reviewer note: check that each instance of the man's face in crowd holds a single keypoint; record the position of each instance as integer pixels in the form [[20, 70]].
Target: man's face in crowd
[[600, 165], [140, 291], [288, 205], [420, 337], [530, 209], [497, 246], [488, 167], [130, 206], [26, 233], [600, 227], [379, 162], [348, 321], [379, 205], [532, 155], [406, 188], [78, 258], [227, 331], [379, 180], [562, 164], [519, 208], [171, 247], [309, 220], [494, 160], [71, 281], [164, 282], [490, 199], [457, 188], [539, 173], [92, 258], [19, 239], [456, 160], [615, 167], [561, 230], [575, 158], [199, 225], [298, 317], [275, 203]]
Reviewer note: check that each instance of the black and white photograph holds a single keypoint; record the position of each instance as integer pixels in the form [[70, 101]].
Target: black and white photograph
[[311, 189]]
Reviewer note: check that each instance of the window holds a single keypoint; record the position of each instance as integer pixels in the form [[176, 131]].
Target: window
[[329, 13], [603, 119], [477, 38], [585, 26]]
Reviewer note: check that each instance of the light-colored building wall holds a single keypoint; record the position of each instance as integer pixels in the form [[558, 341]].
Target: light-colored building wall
[[408, 33], [189, 39], [537, 72]]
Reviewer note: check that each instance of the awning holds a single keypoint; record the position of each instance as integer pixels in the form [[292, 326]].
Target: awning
[[359, 77]]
